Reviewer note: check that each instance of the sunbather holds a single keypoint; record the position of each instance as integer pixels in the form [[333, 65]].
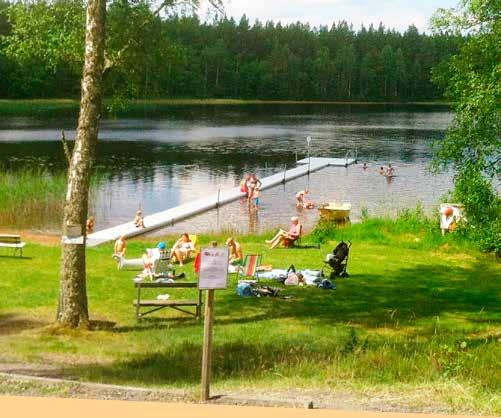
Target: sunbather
[[120, 247], [236, 253], [139, 220], [182, 249], [289, 236]]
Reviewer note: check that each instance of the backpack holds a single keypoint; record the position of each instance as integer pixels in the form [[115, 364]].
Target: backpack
[[326, 284], [244, 289]]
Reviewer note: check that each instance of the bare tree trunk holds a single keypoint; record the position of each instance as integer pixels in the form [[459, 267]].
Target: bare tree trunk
[[72, 310]]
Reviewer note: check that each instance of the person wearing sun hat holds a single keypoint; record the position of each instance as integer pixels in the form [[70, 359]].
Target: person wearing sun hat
[[160, 251]]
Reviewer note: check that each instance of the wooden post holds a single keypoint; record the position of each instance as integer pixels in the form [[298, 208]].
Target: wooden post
[[207, 347]]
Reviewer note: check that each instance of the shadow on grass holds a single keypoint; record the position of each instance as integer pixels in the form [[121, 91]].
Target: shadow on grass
[[407, 295], [17, 257], [401, 298], [11, 324]]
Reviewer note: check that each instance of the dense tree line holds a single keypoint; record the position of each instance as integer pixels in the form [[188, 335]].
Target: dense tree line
[[181, 56]]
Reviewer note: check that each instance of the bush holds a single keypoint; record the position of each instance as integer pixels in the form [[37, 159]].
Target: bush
[[483, 210]]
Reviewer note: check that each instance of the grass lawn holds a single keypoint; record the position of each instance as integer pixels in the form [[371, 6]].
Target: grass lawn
[[418, 320]]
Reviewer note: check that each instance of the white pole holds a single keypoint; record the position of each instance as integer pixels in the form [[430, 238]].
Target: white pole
[[308, 140]]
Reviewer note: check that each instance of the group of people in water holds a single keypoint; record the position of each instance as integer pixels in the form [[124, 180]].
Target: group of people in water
[[251, 186], [389, 171]]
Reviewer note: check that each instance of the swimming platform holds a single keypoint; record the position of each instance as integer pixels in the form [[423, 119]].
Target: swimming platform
[[186, 210]]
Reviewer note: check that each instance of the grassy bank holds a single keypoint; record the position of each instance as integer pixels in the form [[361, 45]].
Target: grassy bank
[[41, 107], [33, 198], [418, 322]]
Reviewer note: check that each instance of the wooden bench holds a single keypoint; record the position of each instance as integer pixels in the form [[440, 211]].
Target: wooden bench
[[157, 304], [12, 241]]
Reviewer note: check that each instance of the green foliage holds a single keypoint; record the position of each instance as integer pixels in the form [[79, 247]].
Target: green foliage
[[415, 228], [483, 208], [472, 144], [155, 55]]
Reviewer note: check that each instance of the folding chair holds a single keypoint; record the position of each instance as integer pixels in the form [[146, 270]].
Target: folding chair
[[250, 266]]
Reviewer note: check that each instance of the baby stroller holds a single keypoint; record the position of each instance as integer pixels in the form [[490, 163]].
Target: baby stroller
[[337, 262]]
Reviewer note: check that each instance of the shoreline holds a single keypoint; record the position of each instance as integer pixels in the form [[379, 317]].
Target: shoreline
[[21, 106]]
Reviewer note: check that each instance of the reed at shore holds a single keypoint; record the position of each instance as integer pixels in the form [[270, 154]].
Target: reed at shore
[[32, 198]]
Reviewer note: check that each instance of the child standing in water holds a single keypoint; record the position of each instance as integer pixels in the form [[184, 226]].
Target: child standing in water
[[255, 197]]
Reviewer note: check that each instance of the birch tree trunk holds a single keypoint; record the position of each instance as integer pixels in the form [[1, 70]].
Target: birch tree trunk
[[72, 310]]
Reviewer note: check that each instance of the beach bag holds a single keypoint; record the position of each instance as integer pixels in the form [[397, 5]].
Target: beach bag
[[244, 289], [292, 279]]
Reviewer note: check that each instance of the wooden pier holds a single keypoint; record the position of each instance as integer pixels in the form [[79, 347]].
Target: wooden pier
[[204, 204]]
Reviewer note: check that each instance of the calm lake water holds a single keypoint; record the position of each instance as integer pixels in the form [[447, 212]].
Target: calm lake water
[[176, 154]]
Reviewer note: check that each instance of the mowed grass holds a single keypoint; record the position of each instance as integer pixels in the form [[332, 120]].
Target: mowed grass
[[418, 320]]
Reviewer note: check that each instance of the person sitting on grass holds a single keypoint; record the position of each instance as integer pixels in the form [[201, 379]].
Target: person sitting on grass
[[289, 236], [120, 246], [139, 220], [182, 249], [236, 253]]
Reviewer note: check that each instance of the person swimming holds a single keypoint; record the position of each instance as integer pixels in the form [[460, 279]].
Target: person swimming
[[381, 171], [390, 171]]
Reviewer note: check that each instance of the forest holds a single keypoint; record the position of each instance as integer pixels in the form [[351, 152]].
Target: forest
[[181, 56]]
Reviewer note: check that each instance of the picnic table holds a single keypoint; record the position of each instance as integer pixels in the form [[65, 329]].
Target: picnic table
[[157, 304]]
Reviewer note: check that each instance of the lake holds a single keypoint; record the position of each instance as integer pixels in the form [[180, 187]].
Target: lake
[[158, 160]]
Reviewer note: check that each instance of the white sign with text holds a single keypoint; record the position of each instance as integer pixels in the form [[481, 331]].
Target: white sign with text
[[214, 268]]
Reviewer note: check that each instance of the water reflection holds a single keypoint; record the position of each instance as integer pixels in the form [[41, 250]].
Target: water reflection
[[176, 154]]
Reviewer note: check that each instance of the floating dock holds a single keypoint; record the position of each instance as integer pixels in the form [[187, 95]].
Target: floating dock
[[187, 210]]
